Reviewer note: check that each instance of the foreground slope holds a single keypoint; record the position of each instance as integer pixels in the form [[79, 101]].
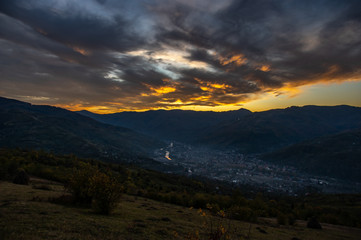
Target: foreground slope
[[336, 155], [62, 131], [26, 213]]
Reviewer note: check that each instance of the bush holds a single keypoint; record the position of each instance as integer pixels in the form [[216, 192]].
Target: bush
[[106, 193], [213, 208], [8, 168], [79, 184], [217, 227], [91, 186], [21, 177]]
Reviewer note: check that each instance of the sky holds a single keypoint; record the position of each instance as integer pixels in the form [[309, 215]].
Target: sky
[[109, 55]]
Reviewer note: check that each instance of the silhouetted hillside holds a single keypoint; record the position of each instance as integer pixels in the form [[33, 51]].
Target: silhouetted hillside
[[336, 155], [177, 125], [62, 131], [242, 129], [269, 130]]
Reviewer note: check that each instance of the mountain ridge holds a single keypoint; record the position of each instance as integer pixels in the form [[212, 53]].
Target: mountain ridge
[[51, 128], [246, 131], [168, 124], [337, 155]]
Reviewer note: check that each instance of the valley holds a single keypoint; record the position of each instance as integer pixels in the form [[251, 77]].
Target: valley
[[289, 151], [248, 169]]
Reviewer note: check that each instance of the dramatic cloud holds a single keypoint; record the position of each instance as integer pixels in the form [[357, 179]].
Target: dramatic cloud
[[109, 55]]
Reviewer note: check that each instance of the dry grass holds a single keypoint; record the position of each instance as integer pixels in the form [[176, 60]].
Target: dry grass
[[26, 213]]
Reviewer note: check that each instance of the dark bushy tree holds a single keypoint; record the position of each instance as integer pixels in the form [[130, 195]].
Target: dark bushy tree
[[106, 192], [21, 177], [91, 186], [79, 184]]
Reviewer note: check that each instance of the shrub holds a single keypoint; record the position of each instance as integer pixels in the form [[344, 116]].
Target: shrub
[[8, 168], [91, 186], [105, 191], [213, 228], [21, 177], [213, 208], [79, 184]]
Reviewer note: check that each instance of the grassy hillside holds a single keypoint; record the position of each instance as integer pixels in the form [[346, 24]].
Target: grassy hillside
[[27, 213]]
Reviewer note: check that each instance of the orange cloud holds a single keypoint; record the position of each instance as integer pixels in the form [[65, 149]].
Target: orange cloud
[[332, 73], [236, 59], [287, 89], [80, 50], [331, 76], [95, 108], [265, 68], [158, 91], [201, 98], [162, 90], [211, 87]]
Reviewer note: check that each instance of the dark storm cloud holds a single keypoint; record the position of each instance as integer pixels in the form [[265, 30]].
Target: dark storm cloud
[[75, 24], [159, 53], [299, 40]]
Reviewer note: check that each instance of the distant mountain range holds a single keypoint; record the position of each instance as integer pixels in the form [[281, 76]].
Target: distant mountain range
[[241, 130], [179, 125], [61, 131], [316, 139], [336, 155], [270, 130]]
